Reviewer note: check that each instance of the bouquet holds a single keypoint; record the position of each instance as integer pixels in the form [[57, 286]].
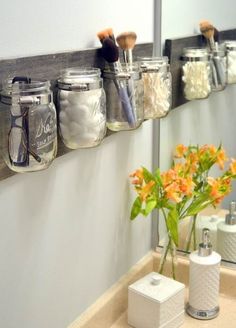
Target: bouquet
[[184, 190]]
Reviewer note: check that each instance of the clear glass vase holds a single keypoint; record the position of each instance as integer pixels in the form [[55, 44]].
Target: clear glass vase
[[169, 251]]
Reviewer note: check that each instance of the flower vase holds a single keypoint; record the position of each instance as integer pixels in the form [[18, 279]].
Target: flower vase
[[169, 250], [191, 240]]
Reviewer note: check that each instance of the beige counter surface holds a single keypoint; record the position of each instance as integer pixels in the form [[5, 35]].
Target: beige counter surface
[[225, 319], [110, 310]]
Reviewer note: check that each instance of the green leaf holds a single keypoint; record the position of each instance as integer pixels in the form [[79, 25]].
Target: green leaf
[[136, 208], [150, 205], [157, 176], [148, 176], [172, 225]]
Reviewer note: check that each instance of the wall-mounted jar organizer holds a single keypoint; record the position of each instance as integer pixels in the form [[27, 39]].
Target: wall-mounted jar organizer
[[174, 50], [48, 67]]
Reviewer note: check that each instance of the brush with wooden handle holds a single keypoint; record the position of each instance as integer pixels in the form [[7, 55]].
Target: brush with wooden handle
[[208, 30], [126, 41], [110, 53]]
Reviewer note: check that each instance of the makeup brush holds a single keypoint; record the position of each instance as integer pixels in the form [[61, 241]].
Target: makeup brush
[[126, 41], [207, 29], [102, 35], [110, 53]]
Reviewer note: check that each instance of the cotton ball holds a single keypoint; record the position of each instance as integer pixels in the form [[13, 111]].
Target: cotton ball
[[63, 117], [63, 104], [63, 95], [64, 131]]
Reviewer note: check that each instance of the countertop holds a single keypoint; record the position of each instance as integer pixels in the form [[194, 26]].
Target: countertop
[[226, 317], [110, 310]]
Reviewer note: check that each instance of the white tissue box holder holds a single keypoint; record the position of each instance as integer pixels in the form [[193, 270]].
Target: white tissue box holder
[[156, 301]]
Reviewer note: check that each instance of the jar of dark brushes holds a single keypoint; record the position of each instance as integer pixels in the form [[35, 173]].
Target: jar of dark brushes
[[29, 126], [124, 94], [196, 73], [157, 86]]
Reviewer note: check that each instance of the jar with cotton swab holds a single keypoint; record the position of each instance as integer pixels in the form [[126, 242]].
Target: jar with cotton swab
[[196, 73], [157, 86], [82, 107]]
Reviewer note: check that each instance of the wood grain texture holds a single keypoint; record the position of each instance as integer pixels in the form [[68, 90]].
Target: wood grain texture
[[49, 67], [174, 48]]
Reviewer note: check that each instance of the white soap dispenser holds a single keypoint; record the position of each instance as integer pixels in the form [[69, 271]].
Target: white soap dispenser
[[210, 222], [204, 278], [226, 235]]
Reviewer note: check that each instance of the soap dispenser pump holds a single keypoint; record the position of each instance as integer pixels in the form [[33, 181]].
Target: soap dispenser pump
[[226, 235], [204, 280]]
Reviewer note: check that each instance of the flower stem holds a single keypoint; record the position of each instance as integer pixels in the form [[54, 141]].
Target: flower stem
[[164, 257], [172, 251], [170, 247]]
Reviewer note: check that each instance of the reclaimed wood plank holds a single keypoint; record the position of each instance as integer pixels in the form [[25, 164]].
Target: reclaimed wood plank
[[48, 67]]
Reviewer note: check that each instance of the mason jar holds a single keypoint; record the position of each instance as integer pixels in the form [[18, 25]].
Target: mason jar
[[157, 83], [196, 73], [230, 47], [82, 107], [219, 71], [124, 93], [29, 125]]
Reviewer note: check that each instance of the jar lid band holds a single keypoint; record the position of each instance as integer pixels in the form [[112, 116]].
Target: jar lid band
[[30, 100], [195, 59], [122, 75], [79, 87], [154, 69], [231, 47]]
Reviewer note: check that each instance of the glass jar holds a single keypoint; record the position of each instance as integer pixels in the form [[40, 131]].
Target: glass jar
[[124, 93], [219, 71], [230, 47], [157, 86], [196, 73], [29, 126], [82, 107]]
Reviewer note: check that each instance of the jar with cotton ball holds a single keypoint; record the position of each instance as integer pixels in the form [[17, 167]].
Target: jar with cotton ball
[[196, 73], [82, 107], [230, 47], [157, 86]]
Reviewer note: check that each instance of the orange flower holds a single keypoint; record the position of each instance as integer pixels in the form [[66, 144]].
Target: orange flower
[[207, 150], [138, 177], [186, 186], [232, 166], [145, 191], [168, 177], [173, 192], [221, 158], [219, 188], [191, 163], [180, 150]]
